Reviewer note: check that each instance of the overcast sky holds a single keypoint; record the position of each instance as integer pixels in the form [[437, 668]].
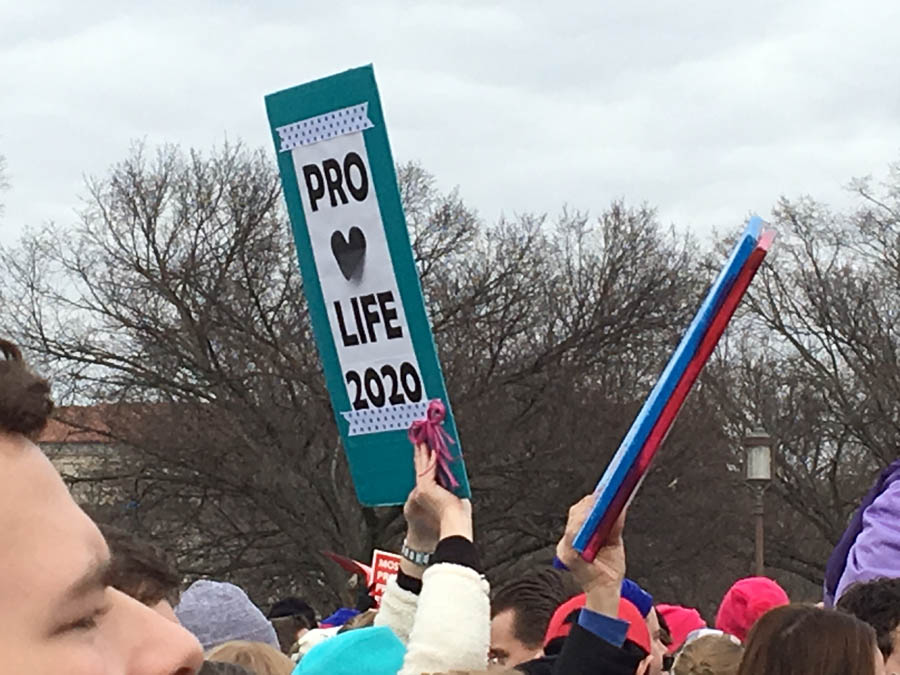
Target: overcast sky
[[707, 109]]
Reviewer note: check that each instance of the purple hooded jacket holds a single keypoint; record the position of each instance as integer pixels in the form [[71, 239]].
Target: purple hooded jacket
[[870, 547]]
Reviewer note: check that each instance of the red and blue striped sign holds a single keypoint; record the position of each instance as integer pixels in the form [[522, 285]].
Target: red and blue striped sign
[[632, 459]]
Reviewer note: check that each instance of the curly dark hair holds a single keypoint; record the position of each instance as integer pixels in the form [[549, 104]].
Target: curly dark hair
[[25, 403], [878, 604]]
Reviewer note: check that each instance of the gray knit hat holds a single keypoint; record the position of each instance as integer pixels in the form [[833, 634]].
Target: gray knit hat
[[217, 612]]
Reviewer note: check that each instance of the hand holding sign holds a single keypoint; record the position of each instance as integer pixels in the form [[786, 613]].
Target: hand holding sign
[[600, 579], [453, 514], [423, 526]]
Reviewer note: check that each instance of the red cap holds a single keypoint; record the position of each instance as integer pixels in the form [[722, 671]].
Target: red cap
[[561, 622], [682, 621], [746, 602], [638, 632]]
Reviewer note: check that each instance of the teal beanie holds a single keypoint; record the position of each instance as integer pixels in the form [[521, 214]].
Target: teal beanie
[[374, 651]]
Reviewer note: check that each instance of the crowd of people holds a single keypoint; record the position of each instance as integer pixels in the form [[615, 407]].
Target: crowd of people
[[83, 599]]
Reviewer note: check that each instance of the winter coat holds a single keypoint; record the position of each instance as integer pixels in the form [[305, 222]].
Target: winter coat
[[875, 551], [584, 653], [447, 627]]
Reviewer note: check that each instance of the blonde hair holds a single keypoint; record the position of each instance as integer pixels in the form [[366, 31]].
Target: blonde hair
[[258, 657], [709, 655], [363, 620]]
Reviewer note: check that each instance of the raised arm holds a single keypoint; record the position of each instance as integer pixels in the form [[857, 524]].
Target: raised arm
[[452, 625]]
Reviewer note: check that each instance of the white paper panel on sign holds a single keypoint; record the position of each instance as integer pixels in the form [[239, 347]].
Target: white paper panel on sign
[[356, 274]]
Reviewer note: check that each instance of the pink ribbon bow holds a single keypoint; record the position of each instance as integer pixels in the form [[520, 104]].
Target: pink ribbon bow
[[431, 432]]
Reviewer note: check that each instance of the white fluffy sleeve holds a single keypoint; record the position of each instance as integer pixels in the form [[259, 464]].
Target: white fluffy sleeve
[[452, 630], [397, 610]]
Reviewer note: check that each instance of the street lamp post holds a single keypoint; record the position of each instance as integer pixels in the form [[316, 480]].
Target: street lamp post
[[758, 474]]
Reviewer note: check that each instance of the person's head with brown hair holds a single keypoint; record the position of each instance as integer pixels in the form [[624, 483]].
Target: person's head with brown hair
[[877, 603], [806, 640], [59, 612], [520, 612], [709, 655], [292, 618], [25, 403], [257, 657], [143, 571]]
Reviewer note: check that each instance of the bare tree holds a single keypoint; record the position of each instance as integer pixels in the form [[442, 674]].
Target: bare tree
[[177, 298], [815, 360], [178, 293]]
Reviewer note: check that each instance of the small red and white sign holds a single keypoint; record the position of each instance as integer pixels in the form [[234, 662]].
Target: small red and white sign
[[384, 566]]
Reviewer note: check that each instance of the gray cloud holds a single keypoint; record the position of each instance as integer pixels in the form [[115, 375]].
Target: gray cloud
[[709, 110]]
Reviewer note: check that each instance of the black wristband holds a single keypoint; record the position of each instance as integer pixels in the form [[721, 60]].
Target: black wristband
[[457, 550], [408, 583]]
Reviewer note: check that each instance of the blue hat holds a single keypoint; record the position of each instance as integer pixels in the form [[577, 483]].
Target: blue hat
[[637, 596], [340, 617], [374, 651]]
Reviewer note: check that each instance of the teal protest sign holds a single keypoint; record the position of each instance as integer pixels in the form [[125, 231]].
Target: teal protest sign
[[360, 278]]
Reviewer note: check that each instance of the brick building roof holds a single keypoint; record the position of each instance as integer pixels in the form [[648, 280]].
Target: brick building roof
[[78, 424]]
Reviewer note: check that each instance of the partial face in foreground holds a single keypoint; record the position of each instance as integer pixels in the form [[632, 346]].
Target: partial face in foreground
[[658, 649], [57, 614], [882, 667], [892, 665]]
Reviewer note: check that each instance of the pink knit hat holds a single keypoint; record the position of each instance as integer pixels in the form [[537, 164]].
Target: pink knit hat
[[746, 602], [682, 621]]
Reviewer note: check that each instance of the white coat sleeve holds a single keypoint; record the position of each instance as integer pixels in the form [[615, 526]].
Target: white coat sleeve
[[397, 610], [452, 629]]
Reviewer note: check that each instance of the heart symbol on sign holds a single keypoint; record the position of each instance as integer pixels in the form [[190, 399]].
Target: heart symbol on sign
[[350, 253]]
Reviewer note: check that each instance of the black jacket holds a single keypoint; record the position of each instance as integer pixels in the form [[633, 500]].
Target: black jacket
[[583, 653]]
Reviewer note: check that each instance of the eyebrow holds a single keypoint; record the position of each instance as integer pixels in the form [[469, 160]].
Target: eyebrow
[[93, 580]]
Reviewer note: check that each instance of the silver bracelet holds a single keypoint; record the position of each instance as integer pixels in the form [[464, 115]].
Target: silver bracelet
[[420, 558]]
